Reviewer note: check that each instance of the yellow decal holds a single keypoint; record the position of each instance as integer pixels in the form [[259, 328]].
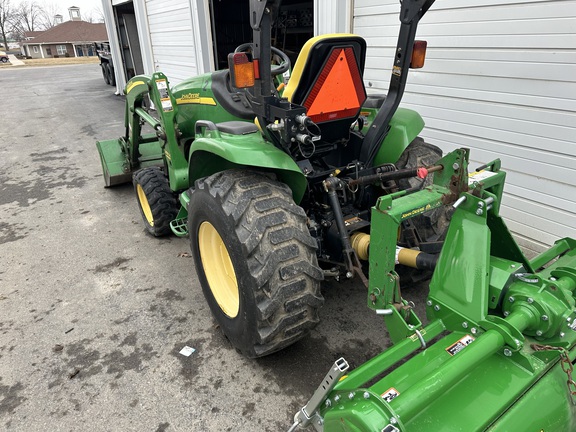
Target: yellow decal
[[419, 210], [194, 98], [131, 85], [415, 337], [168, 156]]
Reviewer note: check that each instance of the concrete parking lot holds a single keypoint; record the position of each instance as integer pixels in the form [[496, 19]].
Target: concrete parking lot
[[94, 312]]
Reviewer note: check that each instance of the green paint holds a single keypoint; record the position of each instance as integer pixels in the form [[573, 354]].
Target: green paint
[[214, 151]]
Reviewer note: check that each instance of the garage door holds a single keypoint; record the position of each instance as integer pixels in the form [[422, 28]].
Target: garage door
[[172, 38], [500, 78]]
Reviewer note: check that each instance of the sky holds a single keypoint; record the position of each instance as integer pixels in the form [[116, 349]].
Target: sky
[[86, 6]]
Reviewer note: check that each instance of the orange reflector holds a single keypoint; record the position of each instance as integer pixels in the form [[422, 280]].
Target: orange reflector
[[241, 70], [418, 54], [338, 91]]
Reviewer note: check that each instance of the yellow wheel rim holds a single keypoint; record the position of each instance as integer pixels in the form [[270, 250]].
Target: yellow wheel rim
[[144, 205], [218, 269]]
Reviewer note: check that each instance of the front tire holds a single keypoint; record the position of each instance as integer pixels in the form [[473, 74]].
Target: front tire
[[158, 204], [255, 259]]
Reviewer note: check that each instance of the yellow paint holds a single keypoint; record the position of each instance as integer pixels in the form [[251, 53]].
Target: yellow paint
[[131, 85], [361, 244], [194, 98], [218, 269], [144, 205], [407, 257]]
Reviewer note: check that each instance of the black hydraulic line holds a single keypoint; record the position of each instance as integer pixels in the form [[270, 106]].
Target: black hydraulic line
[[410, 13]]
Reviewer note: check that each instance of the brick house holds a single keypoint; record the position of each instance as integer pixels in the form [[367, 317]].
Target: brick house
[[74, 38]]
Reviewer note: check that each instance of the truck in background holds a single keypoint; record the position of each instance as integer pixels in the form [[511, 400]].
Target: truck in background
[[106, 63]]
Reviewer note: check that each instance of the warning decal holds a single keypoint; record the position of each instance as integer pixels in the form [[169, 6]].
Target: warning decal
[[460, 344], [478, 176], [162, 86], [390, 394]]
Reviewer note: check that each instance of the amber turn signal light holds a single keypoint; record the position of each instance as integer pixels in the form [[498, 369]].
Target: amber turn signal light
[[241, 70], [418, 54]]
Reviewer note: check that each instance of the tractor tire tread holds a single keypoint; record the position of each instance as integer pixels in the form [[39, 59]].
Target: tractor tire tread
[[162, 201], [280, 254]]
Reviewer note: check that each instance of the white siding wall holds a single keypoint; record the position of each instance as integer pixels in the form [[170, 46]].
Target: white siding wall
[[500, 78], [172, 38]]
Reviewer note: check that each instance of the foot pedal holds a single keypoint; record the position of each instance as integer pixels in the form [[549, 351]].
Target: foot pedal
[[179, 227]]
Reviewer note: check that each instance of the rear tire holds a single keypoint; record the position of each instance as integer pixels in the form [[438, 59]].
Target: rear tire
[[105, 73], [158, 204], [255, 259]]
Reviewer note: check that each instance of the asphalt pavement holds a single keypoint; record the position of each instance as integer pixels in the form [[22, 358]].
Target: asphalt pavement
[[94, 312]]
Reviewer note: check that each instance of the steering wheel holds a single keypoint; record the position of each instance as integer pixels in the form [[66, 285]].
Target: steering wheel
[[275, 69]]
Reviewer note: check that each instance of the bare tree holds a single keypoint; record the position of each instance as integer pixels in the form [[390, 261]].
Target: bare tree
[[7, 15], [27, 17], [49, 11], [94, 16]]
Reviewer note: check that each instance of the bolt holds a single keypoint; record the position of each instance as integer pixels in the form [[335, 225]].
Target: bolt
[[410, 326], [506, 313], [366, 395], [437, 308], [517, 342], [552, 278], [429, 303], [480, 204], [511, 299], [455, 166], [530, 300], [568, 319], [479, 212], [538, 332], [474, 330], [349, 275], [393, 420], [544, 317], [319, 422], [336, 398], [507, 352], [351, 396], [562, 334], [328, 403], [465, 324], [513, 265]]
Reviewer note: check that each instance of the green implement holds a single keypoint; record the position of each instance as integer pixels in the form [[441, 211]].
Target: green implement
[[506, 325]]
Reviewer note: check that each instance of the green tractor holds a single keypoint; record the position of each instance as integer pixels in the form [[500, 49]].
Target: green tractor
[[274, 183], [331, 182]]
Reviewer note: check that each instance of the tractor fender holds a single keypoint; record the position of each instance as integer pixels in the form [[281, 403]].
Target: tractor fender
[[405, 125], [221, 151]]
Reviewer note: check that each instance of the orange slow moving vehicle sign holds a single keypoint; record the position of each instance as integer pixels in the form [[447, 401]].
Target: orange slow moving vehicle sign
[[338, 92]]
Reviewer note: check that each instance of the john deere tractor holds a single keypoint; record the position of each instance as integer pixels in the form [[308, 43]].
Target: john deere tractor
[[274, 182], [279, 187]]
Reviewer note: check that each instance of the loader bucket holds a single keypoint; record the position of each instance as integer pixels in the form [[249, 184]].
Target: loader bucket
[[116, 166]]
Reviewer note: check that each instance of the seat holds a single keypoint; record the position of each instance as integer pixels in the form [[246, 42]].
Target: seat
[[327, 80]]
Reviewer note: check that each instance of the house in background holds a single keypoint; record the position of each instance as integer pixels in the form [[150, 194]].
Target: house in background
[[74, 38]]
